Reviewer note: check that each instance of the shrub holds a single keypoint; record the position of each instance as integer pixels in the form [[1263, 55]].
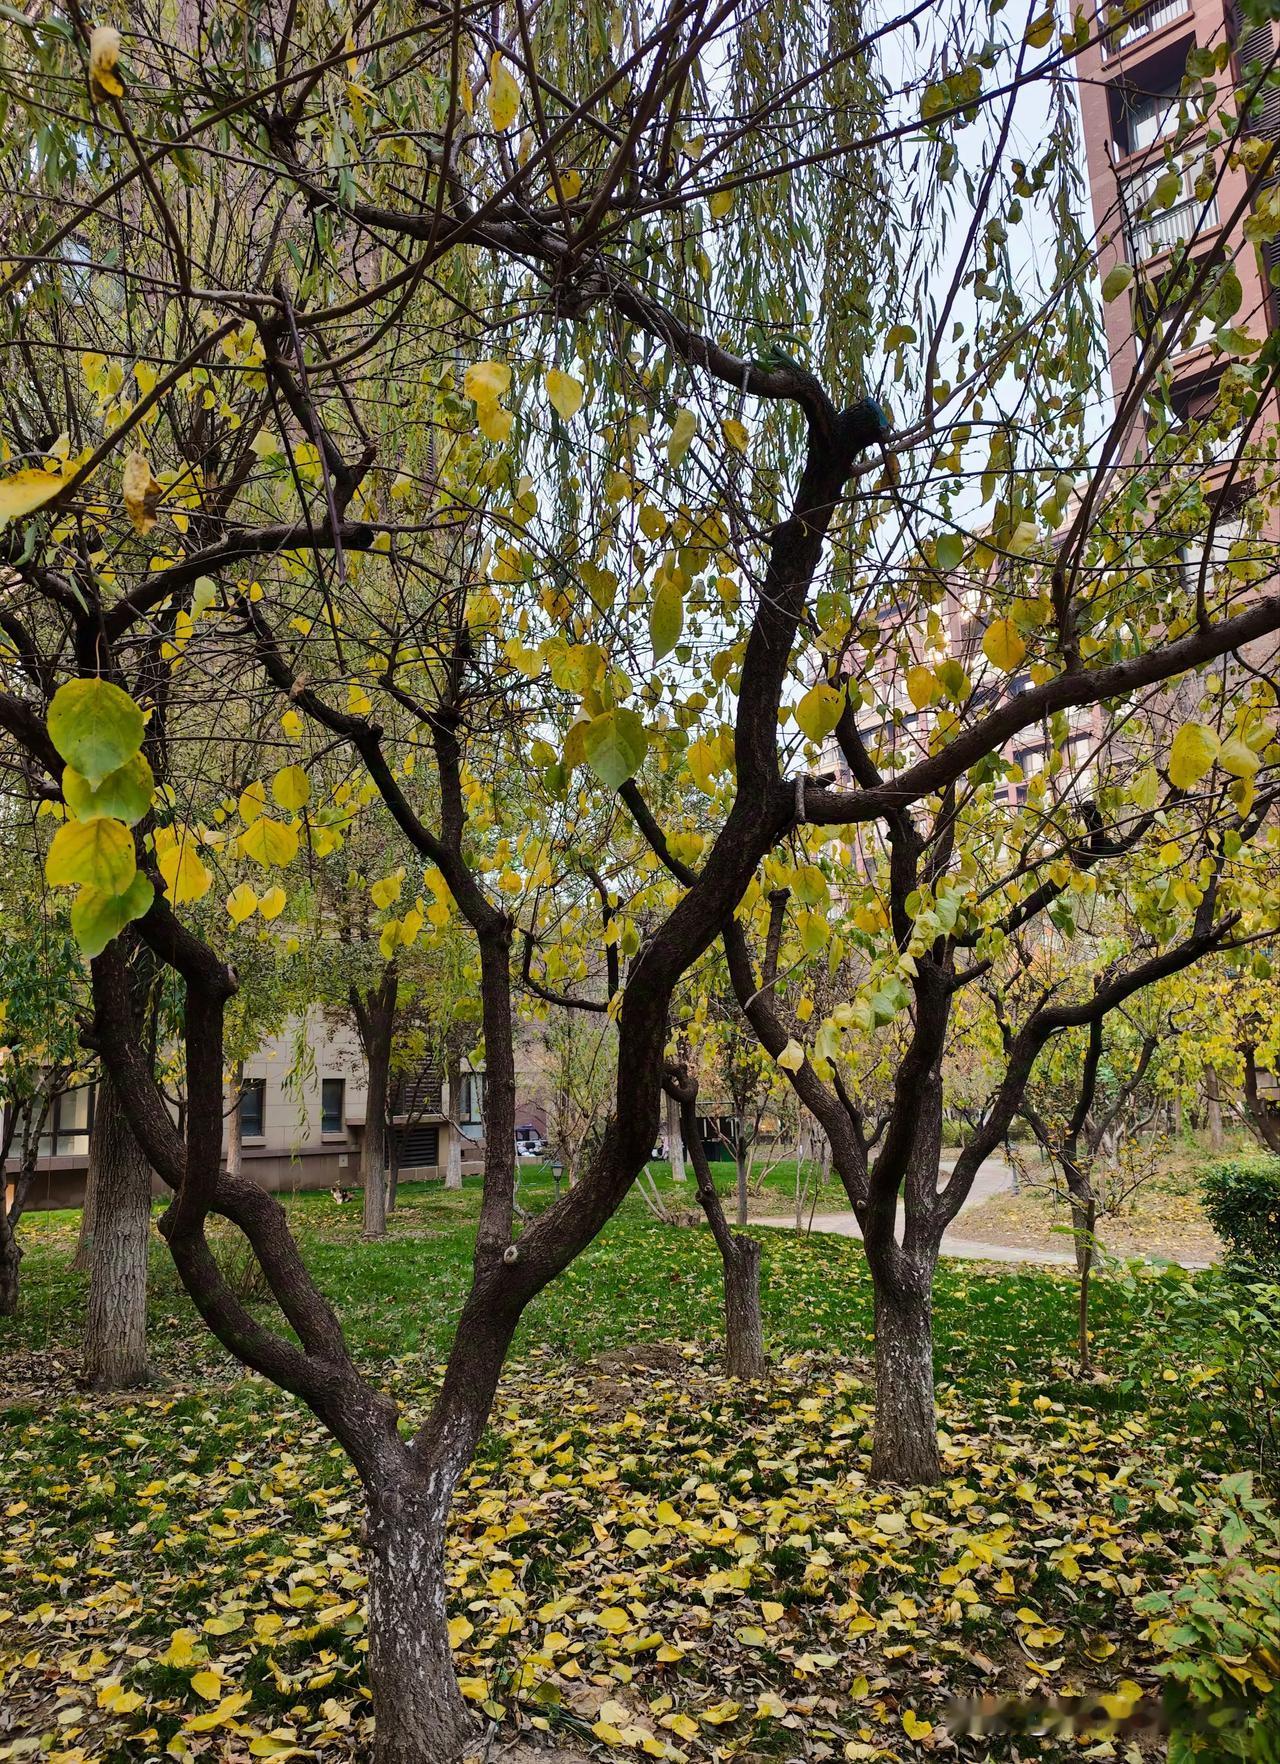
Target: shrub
[[1218, 1634], [1242, 1199]]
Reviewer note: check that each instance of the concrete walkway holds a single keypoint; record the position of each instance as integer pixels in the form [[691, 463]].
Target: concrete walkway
[[994, 1177]]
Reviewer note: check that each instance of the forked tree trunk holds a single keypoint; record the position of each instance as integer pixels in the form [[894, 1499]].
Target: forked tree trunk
[[115, 1344], [675, 1141], [739, 1258], [905, 1449], [419, 1713]]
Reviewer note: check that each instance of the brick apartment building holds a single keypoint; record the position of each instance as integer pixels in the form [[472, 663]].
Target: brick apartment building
[[1129, 81]]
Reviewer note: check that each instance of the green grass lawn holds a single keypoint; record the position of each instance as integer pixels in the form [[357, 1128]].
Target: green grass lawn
[[649, 1561]]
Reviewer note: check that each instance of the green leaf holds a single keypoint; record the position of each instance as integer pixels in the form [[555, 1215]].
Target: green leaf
[[949, 550], [99, 852], [123, 795], [95, 727], [1193, 752], [96, 917], [1116, 281], [666, 617], [615, 745]]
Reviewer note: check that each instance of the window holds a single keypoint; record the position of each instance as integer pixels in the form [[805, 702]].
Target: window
[[1147, 116], [333, 1096], [471, 1099], [68, 1124], [253, 1109]]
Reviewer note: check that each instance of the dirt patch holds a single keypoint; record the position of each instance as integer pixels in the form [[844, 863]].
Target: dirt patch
[[1163, 1220]]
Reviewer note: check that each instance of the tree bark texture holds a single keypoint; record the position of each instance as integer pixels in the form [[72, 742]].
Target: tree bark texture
[[419, 1713], [115, 1347], [906, 1431]]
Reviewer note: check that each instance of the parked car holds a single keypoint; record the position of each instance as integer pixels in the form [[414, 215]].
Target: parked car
[[530, 1143]]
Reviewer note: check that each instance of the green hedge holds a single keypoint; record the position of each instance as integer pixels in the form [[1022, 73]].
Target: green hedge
[[1242, 1199]]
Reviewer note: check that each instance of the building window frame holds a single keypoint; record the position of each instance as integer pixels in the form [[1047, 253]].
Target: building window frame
[[253, 1108], [333, 1108]]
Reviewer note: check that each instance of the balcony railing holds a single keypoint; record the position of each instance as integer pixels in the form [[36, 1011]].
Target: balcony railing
[[1139, 24], [1148, 233]]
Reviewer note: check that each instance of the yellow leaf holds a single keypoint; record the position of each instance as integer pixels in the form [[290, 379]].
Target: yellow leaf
[[923, 687], [141, 492], [721, 1713], [272, 903], [181, 1650], [23, 491], [269, 842], [485, 382], [720, 202], [819, 711], [494, 422], [459, 1630], [565, 393], [504, 95], [207, 1684], [1003, 646], [792, 1057], [291, 723], [104, 55], [241, 902], [1193, 752], [615, 1620], [735, 433], [99, 852], [682, 433], [291, 788], [914, 1727], [186, 876], [1237, 757], [384, 892], [770, 1611], [359, 704]]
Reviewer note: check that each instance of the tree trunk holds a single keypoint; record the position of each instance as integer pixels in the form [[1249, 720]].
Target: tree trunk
[[419, 1714], [235, 1131], [393, 1164], [115, 1346], [82, 1261], [744, 1325], [10, 1258], [741, 1160], [453, 1158], [373, 1147], [906, 1428], [1086, 1270], [675, 1141], [1213, 1109]]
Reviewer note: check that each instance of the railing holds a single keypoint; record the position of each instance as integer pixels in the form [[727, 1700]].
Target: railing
[[1139, 24], [1149, 233]]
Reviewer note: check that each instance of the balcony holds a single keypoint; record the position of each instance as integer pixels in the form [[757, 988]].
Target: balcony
[[1149, 233], [1143, 23]]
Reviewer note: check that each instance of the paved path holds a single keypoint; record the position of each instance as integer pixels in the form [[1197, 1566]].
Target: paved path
[[994, 1177]]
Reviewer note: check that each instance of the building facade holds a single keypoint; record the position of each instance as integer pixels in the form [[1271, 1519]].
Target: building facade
[[1130, 78], [302, 1116]]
